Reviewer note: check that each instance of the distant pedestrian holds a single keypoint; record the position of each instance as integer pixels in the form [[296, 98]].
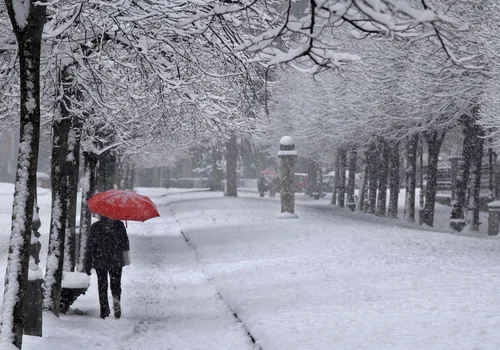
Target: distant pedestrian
[[274, 186], [107, 253], [261, 186]]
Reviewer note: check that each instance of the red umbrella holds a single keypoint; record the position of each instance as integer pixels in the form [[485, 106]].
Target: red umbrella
[[267, 172], [123, 205]]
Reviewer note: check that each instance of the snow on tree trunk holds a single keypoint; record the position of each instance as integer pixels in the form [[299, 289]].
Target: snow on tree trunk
[[57, 237], [88, 189], [362, 191], [393, 181], [434, 141], [382, 177], [73, 175], [27, 23], [351, 183], [341, 182], [411, 177], [231, 167]]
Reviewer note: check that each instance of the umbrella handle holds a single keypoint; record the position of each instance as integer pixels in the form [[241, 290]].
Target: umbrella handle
[[126, 226]]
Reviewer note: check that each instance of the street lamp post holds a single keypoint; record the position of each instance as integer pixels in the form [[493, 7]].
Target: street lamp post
[[287, 155]]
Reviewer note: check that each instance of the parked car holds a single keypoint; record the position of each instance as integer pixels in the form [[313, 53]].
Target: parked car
[[300, 182]]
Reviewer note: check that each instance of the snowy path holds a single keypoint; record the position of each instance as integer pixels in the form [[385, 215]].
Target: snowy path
[[167, 302]]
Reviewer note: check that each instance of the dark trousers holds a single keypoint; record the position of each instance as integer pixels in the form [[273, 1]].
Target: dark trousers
[[115, 277]]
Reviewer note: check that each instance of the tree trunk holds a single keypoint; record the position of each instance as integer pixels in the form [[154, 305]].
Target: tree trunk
[[106, 171], [132, 177], [491, 174], [476, 182], [434, 141], [16, 277], [335, 179], [57, 237], [421, 174], [459, 206], [362, 191], [312, 177], [126, 175], [411, 177], [217, 174], [88, 189], [372, 182], [393, 181], [73, 174], [320, 181], [382, 178], [341, 183], [351, 183], [231, 167]]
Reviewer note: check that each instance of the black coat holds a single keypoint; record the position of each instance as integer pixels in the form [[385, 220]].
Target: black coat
[[107, 242]]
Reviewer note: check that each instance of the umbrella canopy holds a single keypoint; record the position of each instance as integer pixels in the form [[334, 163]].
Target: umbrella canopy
[[267, 172], [123, 205]]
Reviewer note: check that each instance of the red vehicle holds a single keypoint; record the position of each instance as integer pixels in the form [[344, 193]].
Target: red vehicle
[[300, 182]]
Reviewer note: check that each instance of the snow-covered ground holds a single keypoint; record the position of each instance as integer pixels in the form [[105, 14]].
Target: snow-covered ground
[[223, 273]]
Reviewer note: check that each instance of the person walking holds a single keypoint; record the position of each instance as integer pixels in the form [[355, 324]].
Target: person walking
[[261, 186], [107, 253]]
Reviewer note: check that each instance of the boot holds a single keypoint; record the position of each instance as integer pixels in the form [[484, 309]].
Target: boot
[[116, 307], [104, 313]]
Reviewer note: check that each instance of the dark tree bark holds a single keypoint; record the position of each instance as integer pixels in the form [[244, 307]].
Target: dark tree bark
[[372, 180], [217, 174], [496, 175], [476, 181], [312, 177], [382, 177], [28, 37], [352, 176], [231, 167], [491, 173], [131, 182], [459, 206], [434, 141], [320, 181], [421, 200], [106, 171], [336, 180], [411, 177], [125, 174], [393, 180], [341, 182], [89, 184], [57, 238]]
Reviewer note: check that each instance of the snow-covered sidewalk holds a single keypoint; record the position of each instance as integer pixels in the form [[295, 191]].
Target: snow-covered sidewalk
[[221, 273], [330, 282], [168, 302]]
